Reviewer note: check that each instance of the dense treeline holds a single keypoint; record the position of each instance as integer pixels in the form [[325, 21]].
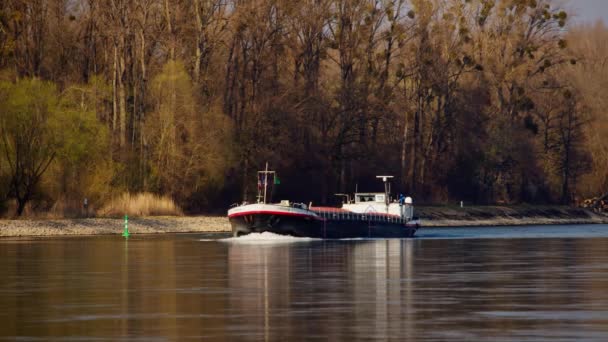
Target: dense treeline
[[476, 100]]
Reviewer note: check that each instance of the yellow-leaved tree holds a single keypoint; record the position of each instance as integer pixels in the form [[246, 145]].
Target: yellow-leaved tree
[[40, 130], [84, 167], [188, 149]]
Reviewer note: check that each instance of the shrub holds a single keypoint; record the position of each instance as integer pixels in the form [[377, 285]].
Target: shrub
[[140, 204]]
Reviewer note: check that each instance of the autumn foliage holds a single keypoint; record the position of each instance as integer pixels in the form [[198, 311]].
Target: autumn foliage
[[475, 100]]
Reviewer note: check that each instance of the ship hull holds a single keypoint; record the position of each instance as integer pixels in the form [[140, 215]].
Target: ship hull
[[324, 225]]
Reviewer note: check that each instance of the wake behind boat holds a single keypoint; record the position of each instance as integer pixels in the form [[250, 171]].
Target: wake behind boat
[[367, 215]]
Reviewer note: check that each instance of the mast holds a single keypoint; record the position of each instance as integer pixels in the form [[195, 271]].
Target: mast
[[387, 189], [265, 181], [263, 178]]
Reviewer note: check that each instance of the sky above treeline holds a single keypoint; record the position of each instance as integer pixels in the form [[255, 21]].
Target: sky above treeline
[[588, 11]]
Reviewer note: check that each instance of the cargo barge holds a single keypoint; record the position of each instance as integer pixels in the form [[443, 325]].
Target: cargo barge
[[366, 215]]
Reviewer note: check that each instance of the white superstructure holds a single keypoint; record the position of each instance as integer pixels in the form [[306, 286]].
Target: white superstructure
[[376, 202]]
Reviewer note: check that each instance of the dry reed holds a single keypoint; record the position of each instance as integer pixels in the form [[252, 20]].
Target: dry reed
[[140, 204]]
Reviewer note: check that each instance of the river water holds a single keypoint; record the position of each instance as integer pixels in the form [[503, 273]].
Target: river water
[[462, 284]]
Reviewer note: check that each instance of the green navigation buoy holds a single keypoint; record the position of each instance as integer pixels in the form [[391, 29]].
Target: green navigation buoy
[[126, 232]]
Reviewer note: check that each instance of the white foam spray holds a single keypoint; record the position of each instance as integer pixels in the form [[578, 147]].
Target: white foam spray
[[266, 238]]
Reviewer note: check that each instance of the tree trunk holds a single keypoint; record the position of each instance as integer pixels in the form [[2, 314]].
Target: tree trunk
[[199, 32], [170, 29], [21, 202], [414, 153], [115, 92], [141, 117], [404, 154], [122, 102]]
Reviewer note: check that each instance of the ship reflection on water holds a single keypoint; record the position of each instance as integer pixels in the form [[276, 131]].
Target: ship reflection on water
[[182, 287], [499, 289], [336, 290]]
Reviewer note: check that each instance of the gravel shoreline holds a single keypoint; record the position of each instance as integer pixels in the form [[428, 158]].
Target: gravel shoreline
[[220, 224], [101, 226]]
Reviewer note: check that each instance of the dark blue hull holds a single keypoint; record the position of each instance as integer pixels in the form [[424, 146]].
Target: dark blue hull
[[329, 227]]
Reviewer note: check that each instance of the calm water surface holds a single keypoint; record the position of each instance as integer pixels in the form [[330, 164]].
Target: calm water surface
[[466, 284]]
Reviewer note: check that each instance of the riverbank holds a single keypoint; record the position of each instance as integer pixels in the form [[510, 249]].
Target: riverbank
[[431, 216], [470, 216], [101, 226]]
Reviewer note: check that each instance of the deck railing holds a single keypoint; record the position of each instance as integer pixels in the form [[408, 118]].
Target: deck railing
[[350, 216]]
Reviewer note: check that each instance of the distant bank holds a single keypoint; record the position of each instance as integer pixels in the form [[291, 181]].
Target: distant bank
[[431, 216], [444, 216]]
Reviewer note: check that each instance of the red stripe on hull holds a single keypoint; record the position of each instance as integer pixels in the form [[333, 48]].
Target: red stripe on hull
[[270, 212], [329, 210]]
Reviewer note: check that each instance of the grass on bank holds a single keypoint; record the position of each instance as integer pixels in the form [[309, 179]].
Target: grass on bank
[[140, 204]]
